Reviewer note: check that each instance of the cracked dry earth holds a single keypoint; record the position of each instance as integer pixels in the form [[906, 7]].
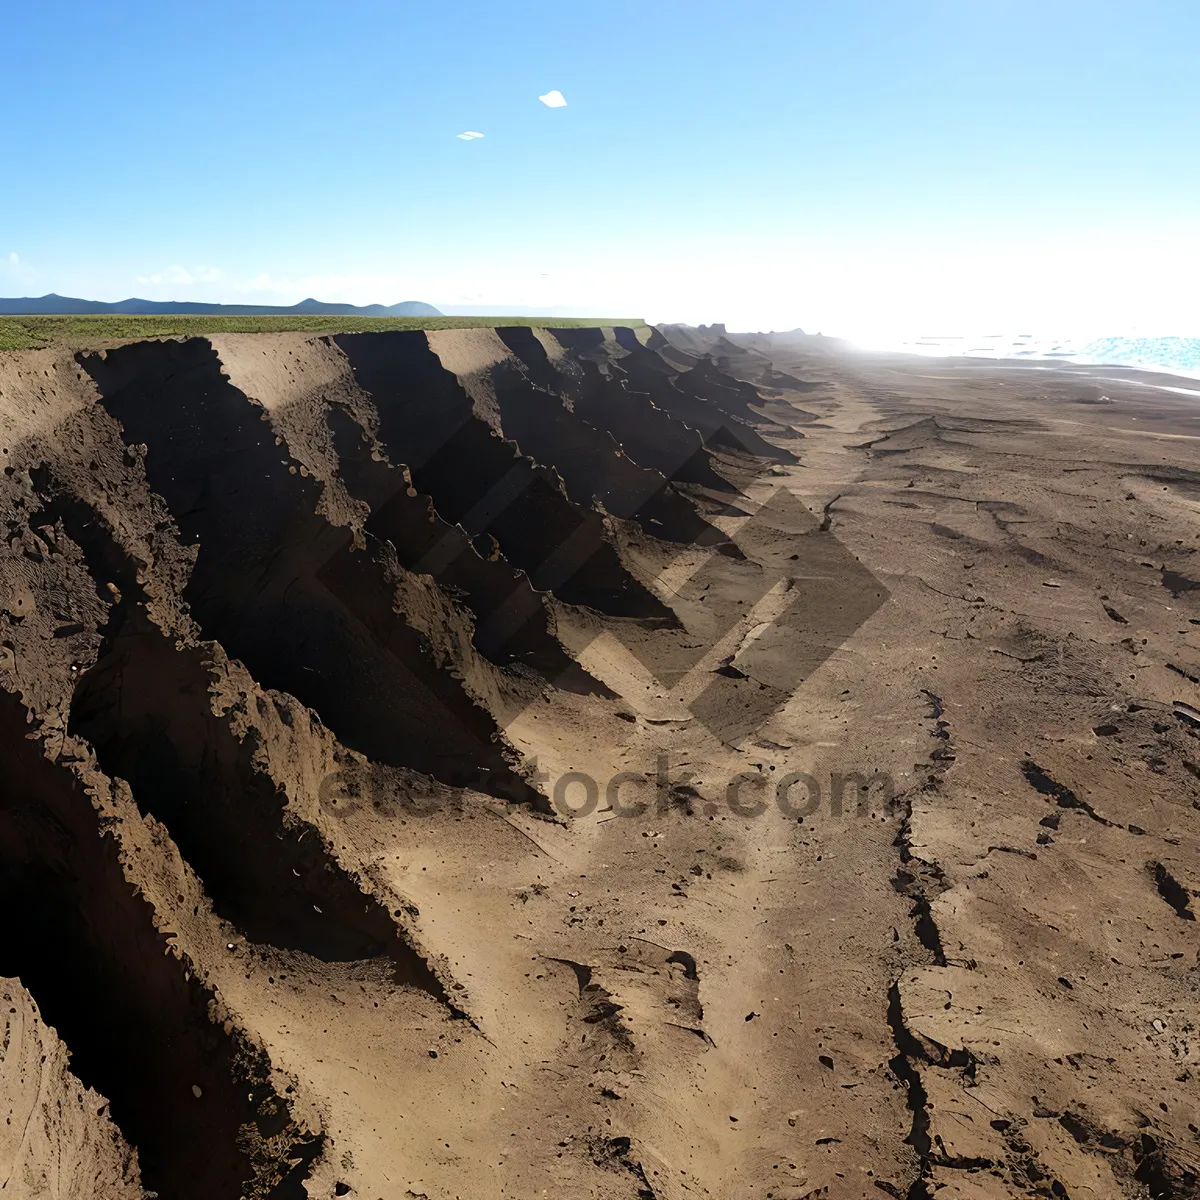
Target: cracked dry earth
[[301, 636]]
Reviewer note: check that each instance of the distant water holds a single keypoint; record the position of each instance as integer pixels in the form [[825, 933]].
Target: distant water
[[1176, 355]]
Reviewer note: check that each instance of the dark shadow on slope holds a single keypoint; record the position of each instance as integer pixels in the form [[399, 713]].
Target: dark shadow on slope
[[649, 434], [712, 376], [279, 586], [481, 482], [145, 708], [511, 620], [590, 462], [647, 372], [707, 381], [82, 940]]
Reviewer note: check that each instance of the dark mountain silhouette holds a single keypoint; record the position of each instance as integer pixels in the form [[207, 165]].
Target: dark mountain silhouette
[[54, 305]]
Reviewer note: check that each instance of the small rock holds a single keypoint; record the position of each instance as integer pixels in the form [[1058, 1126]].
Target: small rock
[[1159, 1027], [197, 1091]]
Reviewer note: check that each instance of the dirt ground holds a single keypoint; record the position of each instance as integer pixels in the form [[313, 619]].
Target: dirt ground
[[609, 764]]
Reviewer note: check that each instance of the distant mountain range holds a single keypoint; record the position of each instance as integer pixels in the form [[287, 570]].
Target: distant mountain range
[[54, 305]]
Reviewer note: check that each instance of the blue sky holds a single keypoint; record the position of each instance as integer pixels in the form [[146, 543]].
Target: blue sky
[[865, 167]]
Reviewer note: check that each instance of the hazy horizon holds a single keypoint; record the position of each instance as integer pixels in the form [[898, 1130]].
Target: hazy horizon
[[870, 171]]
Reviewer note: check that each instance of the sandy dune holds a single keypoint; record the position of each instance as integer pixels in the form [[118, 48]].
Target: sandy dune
[[596, 763]]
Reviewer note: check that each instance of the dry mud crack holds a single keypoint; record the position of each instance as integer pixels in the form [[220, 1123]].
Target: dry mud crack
[[595, 763]]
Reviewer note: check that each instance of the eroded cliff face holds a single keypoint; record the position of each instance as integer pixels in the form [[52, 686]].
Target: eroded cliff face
[[309, 644], [240, 575]]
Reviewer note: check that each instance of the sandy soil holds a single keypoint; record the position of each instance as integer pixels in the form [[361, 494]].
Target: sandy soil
[[432, 769]]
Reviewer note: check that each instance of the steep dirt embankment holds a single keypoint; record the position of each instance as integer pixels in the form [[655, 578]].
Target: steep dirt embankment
[[58, 1139], [263, 601], [307, 642], [430, 423], [330, 424], [594, 385], [511, 374], [279, 584]]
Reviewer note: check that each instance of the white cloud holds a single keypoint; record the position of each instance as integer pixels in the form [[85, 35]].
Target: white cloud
[[469, 136], [181, 275], [554, 99], [12, 268]]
